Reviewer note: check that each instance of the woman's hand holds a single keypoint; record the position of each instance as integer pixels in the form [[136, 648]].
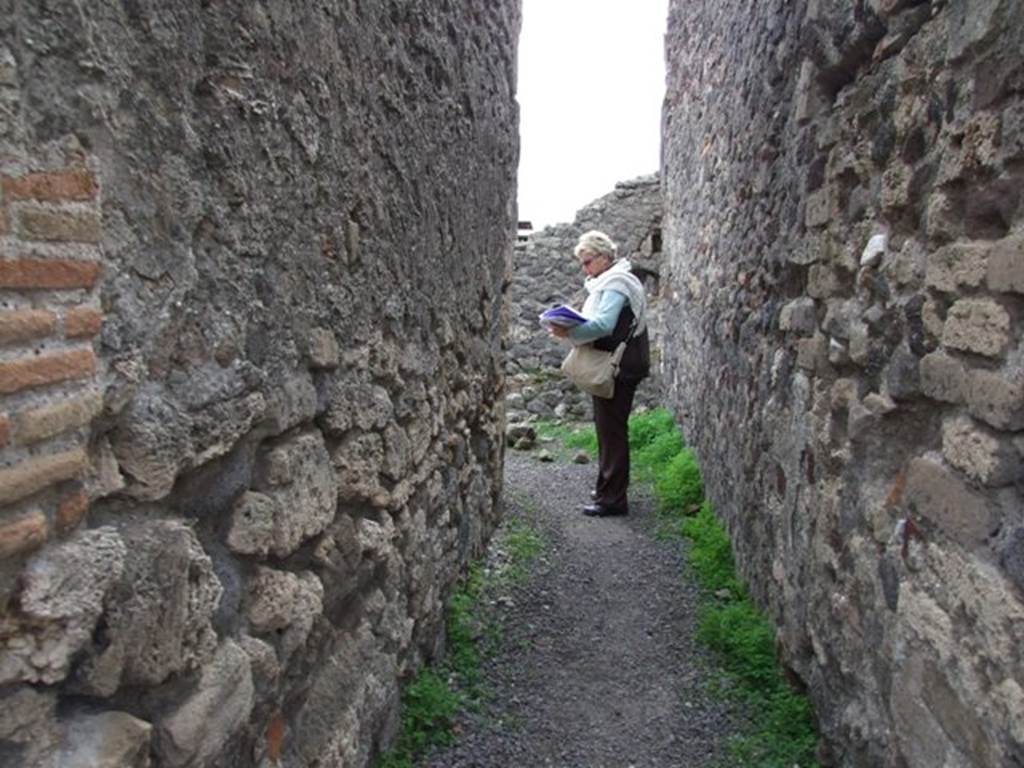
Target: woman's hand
[[559, 331]]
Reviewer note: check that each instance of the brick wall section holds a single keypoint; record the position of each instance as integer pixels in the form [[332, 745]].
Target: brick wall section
[[25, 325], [74, 184], [49, 369], [46, 274], [49, 318], [82, 322]]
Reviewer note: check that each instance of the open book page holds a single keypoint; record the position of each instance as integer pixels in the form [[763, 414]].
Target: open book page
[[561, 315]]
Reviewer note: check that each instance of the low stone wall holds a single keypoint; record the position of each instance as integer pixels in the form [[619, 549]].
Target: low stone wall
[[545, 274], [843, 225], [250, 426]]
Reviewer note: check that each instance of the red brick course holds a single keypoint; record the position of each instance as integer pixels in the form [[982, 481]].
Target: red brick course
[[23, 534], [72, 511], [48, 369], [78, 184], [82, 322], [36, 424], [59, 226], [22, 325], [33, 475], [48, 274]]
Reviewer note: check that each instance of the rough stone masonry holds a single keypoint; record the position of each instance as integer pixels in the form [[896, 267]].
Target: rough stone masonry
[[844, 227], [250, 367]]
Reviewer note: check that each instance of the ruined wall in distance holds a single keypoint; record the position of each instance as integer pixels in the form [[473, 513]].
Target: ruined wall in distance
[[545, 273], [845, 249], [251, 265]]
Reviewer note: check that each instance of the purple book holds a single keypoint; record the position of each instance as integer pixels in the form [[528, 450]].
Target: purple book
[[562, 315]]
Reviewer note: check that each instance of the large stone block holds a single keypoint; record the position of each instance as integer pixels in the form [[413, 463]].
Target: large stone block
[[1006, 266], [799, 316], [841, 316], [29, 731], [937, 494], [285, 604], [158, 615], [105, 740], [197, 730], [903, 375], [294, 498], [906, 267], [997, 398], [61, 600], [812, 353], [943, 377], [823, 281], [896, 188], [357, 404], [977, 325], [1012, 557], [323, 349], [984, 455], [254, 525], [973, 25], [152, 444], [859, 347], [359, 460], [399, 451], [957, 266], [943, 218], [945, 730], [353, 688], [291, 402]]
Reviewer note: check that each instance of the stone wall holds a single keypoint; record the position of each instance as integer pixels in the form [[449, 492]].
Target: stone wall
[[845, 241], [544, 274], [250, 425]]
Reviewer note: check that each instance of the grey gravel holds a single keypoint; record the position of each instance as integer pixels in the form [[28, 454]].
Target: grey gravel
[[597, 666]]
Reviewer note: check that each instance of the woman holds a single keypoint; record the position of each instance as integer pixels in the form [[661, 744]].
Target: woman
[[616, 309]]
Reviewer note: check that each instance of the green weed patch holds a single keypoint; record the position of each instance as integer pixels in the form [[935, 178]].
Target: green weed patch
[[429, 707], [571, 437], [433, 699], [522, 544], [782, 732]]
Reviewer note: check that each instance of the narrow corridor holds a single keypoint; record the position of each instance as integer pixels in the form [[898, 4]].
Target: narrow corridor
[[597, 667]]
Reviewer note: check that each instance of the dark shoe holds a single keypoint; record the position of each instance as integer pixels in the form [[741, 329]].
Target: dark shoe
[[604, 510]]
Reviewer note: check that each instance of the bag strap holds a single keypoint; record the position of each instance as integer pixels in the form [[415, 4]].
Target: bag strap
[[621, 348]]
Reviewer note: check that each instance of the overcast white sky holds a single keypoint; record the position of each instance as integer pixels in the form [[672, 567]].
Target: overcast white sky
[[591, 81]]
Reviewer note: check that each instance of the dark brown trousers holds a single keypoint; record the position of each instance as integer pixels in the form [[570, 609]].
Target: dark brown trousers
[[611, 418]]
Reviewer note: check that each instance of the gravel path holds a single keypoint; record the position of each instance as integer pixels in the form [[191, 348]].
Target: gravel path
[[597, 666]]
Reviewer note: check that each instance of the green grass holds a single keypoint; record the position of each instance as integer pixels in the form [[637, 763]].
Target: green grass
[[464, 625], [566, 436], [433, 699], [710, 554], [429, 707], [782, 732], [523, 544]]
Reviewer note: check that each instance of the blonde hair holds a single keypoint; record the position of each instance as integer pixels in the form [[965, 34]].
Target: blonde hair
[[597, 243]]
